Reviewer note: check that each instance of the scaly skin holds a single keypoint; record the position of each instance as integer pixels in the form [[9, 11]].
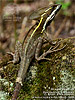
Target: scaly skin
[[32, 44]]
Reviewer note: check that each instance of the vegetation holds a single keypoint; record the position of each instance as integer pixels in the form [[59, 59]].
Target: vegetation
[[59, 72]]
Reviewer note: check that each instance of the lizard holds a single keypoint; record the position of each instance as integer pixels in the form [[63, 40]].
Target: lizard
[[32, 43]]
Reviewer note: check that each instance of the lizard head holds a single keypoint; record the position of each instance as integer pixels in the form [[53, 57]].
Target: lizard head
[[45, 12], [45, 15]]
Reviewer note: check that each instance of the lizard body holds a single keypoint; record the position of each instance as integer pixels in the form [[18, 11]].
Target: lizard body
[[32, 43]]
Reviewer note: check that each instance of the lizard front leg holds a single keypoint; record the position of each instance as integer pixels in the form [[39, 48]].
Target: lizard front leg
[[51, 50], [38, 49]]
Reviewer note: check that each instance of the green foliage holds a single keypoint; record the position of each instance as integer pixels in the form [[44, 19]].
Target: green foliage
[[65, 5]]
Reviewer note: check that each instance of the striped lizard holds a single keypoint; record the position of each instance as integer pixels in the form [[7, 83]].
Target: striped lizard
[[32, 43]]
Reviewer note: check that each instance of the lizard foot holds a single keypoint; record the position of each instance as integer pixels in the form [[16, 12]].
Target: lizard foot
[[14, 61], [43, 56], [10, 53]]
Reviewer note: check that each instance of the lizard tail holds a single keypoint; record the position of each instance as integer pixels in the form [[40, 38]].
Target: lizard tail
[[16, 91]]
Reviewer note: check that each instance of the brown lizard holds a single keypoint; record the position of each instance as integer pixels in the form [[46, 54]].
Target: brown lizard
[[32, 43]]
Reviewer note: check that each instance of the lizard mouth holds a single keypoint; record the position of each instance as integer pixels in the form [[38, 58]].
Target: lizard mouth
[[54, 12], [58, 8]]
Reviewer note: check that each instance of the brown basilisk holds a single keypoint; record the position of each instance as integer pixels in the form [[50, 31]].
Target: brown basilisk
[[32, 43]]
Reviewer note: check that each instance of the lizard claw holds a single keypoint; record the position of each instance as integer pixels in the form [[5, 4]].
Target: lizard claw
[[10, 53], [14, 61], [43, 58], [10, 62]]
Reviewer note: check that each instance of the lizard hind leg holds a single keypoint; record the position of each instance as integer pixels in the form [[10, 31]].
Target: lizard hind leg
[[18, 53]]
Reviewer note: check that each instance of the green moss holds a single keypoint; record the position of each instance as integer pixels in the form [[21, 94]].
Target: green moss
[[48, 74]]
